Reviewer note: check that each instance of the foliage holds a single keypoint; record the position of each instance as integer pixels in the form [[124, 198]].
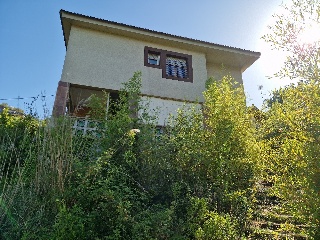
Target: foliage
[[217, 227], [97, 106], [15, 131], [292, 141], [194, 181], [206, 224], [11, 110], [285, 34], [290, 131]]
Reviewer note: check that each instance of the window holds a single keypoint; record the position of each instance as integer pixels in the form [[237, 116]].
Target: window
[[154, 58], [176, 66], [83, 123], [88, 127]]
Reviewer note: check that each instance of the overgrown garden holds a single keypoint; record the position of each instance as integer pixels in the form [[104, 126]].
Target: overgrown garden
[[222, 171]]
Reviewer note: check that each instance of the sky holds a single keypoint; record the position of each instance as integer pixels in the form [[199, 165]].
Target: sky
[[32, 48]]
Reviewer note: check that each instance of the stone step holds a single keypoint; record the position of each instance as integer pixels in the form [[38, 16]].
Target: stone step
[[269, 219], [266, 234]]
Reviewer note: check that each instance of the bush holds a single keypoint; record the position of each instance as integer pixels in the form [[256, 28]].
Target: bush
[[192, 181], [218, 227]]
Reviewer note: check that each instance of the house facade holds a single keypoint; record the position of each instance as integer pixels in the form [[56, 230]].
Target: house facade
[[101, 55]]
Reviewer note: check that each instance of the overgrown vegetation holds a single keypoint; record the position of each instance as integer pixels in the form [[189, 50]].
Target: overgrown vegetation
[[196, 180], [193, 181], [221, 172], [292, 127]]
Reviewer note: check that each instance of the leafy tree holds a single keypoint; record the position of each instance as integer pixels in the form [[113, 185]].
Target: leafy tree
[[11, 110], [291, 128], [297, 18], [292, 136]]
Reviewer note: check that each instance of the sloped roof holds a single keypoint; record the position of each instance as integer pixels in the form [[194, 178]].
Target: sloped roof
[[217, 53]]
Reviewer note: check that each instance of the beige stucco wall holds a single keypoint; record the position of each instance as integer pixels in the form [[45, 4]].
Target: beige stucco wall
[[164, 108], [105, 61], [218, 71]]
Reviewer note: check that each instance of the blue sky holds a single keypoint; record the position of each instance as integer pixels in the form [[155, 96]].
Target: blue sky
[[32, 48]]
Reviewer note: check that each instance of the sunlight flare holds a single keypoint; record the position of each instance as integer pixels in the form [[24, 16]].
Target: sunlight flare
[[310, 34]]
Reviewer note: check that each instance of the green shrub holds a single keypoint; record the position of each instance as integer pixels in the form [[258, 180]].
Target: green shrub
[[218, 227], [69, 223]]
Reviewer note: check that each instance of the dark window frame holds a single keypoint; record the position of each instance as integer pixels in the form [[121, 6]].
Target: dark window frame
[[162, 64]]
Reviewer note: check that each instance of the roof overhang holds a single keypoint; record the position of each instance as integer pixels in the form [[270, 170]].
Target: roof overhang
[[215, 53]]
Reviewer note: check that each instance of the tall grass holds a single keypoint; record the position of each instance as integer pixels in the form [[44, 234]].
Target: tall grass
[[36, 159]]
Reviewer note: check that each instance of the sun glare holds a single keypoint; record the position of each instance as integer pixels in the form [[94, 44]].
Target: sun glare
[[310, 34]]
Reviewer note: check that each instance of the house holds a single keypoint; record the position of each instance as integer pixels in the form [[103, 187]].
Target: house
[[101, 55]]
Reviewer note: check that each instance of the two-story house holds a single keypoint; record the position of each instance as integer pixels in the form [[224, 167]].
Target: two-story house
[[102, 54]]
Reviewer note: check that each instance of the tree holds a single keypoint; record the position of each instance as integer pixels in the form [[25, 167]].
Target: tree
[[11, 110], [291, 136], [292, 126], [295, 31]]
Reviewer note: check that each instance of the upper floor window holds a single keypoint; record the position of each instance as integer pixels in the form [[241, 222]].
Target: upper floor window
[[176, 66], [154, 58]]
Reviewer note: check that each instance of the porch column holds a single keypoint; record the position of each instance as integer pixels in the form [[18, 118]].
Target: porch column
[[59, 107]]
